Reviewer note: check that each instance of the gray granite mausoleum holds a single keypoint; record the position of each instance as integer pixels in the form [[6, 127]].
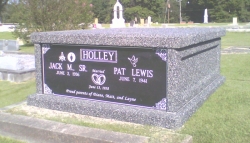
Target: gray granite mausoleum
[[153, 76]]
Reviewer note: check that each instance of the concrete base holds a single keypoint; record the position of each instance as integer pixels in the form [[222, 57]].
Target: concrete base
[[118, 23], [126, 113], [17, 76], [16, 66], [34, 130]]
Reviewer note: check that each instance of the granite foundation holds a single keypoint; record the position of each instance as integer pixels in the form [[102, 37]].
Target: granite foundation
[[192, 71], [17, 67]]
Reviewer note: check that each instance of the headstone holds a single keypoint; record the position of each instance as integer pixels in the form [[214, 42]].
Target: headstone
[[3, 45], [96, 20], [205, 16], [118, 21], [149, 20], [142, 21], [235, 21], [128, 74], [132, 23], [16, 67], [13, 45], [99, 26], [20, 42], [164, 25]]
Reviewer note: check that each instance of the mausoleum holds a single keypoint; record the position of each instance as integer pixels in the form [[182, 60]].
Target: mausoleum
[[152, 76]]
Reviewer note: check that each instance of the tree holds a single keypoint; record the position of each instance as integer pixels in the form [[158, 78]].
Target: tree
[[102, 10], [2, 5], [218, 10], [143, 9], [50, 15]]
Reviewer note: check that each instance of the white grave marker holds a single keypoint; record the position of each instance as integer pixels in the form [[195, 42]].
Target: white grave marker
[[205, 16], [118, 22], [235, 21], [149, 20]]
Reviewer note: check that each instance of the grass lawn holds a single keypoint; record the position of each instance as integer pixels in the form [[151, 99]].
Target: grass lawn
[[225, 116], [11, 93], [240, 39], [185, 25], [7, 36], [8, 140], [206, 25], [27, 49]]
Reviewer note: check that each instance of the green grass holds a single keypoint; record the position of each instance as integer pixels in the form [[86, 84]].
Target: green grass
[[8, 140], [27, 49], [24, 48], [236, 39], [11, 93], [225, 116], [7, 36], [198, 24]]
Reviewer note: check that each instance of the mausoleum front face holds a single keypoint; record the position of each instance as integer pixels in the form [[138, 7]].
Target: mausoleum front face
[[135, 75]]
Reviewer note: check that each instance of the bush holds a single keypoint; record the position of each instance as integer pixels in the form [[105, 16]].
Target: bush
[[50, 15]]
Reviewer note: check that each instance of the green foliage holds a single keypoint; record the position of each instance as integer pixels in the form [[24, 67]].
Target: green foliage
[[102, 10], [218, 10], [7, 36], [50, 15], [143, 9], [2, 6]]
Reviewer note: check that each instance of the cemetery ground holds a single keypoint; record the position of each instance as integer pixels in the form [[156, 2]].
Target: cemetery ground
[[28, 48], [223, 118], [8, 140]]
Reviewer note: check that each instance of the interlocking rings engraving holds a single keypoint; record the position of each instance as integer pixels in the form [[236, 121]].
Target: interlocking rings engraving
[[98, 79]]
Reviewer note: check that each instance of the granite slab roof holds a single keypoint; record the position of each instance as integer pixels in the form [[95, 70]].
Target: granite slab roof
[[131, 37]]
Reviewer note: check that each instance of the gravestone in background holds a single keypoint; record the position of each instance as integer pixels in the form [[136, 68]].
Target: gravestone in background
[[205, 16], [149, 20], [96, 21], [13, 45], [17, 67], [235, 21], [3, 44], [153, 76], [9, 45], [142, 21], [118, 21], [132, 23]]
